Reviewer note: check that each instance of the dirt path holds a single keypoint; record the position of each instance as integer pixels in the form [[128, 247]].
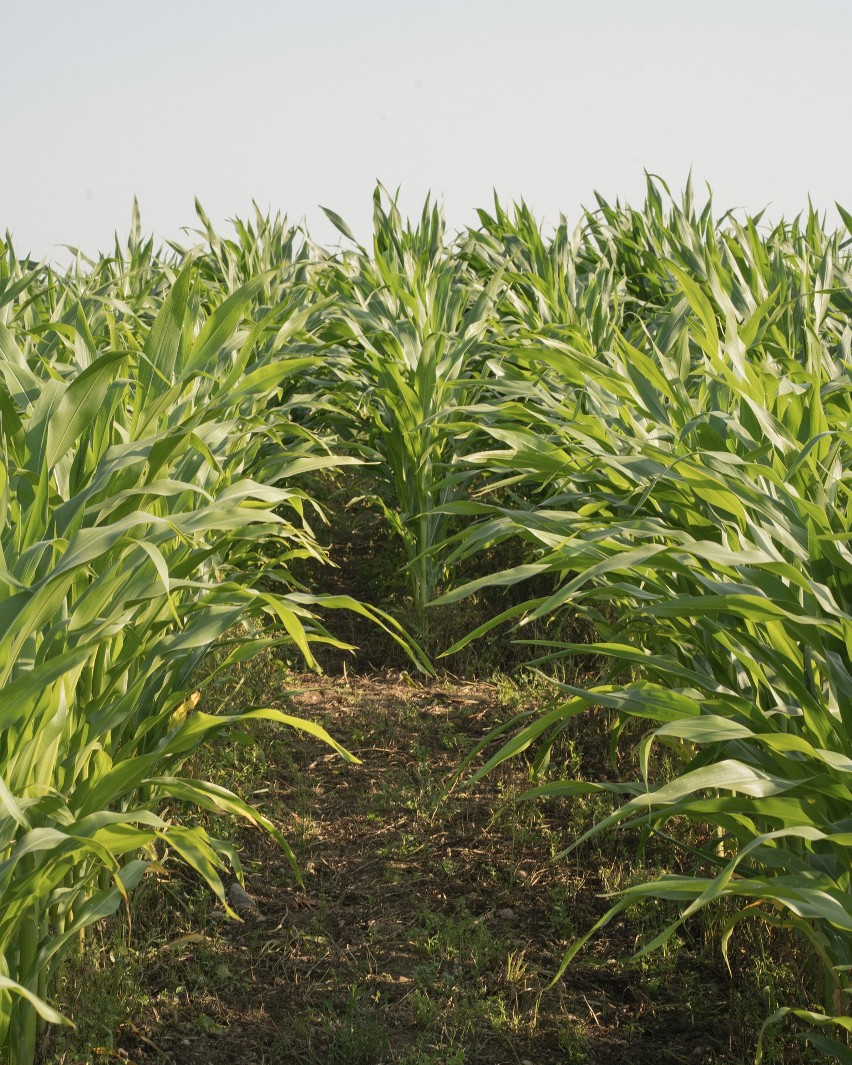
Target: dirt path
[[427, 932]]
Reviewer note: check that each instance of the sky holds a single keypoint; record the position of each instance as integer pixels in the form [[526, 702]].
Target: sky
[[300, 104]]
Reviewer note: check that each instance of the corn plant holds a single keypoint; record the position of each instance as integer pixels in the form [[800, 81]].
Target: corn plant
[[655, 403], [692, 499], [146, 518], [410, 328]]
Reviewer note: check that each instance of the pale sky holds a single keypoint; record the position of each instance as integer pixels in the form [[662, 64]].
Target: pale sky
[[300, 104]]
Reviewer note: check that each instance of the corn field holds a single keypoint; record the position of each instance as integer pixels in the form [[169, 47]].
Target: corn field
[[653, 408]]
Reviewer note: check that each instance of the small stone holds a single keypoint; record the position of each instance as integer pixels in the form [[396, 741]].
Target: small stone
[[506, 914]]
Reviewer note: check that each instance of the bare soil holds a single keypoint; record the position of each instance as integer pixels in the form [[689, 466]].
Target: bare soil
[[428, 929]]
